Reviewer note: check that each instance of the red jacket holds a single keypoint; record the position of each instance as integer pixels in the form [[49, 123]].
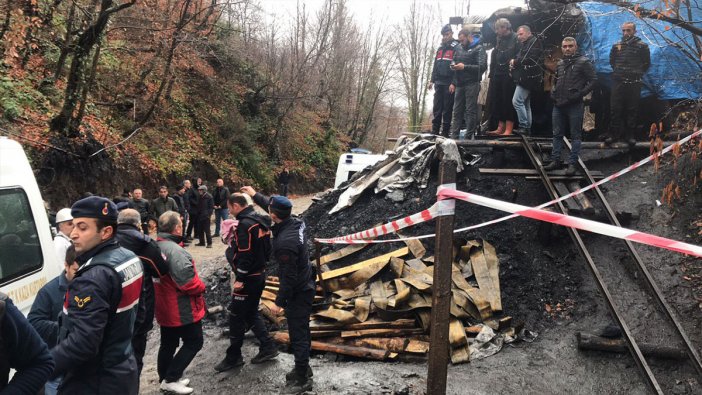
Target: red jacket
[[179, 295]]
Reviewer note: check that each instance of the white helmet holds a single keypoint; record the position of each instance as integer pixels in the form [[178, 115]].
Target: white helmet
[[63, 215]]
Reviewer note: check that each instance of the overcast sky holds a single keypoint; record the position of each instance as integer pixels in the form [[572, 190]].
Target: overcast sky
[[389, 11]]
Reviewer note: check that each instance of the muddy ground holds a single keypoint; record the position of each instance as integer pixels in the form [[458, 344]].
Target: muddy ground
[[536, 281]]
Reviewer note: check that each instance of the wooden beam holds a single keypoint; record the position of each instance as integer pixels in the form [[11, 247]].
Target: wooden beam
[[381, 333], [344, 252], [404, 323], [588, 341], [352, 268], [358, 352], [526, 172]]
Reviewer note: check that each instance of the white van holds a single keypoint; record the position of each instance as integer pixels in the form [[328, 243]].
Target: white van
[[353, 162], [27, 256]]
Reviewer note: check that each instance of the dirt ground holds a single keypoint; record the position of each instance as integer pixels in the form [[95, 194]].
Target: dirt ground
[[532, 276]]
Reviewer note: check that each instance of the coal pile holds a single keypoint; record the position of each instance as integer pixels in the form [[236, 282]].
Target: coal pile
[[535, 279]]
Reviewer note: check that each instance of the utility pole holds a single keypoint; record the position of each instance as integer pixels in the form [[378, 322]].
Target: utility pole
[[441, 290]]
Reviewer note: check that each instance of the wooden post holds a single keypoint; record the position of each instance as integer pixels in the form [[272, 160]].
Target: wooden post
[[441, 292], [318, 259]]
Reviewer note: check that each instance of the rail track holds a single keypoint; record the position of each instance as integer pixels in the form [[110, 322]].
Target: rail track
[[531, 147]]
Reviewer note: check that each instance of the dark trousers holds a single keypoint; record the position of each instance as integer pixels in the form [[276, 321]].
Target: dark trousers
[[244, 314], [624, 104], [442, 110], [501, 91], [567, 119], [192, 226], [203, 229], [170, 364], [186, 223], [283, 190], [139, 347], [297, 313]]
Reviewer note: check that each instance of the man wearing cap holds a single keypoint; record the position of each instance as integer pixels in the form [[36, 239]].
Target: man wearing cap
[[441, 77], [247, 256], [297, 284], [64, 223], [94, 352], [205, 207]]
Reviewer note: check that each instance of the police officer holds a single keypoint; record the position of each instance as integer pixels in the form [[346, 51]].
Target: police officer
[[21, 349], [247, 256], [94, 352], [297, 284]]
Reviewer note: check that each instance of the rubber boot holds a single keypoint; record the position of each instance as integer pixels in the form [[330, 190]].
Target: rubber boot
[[509, 126], [500, 129]]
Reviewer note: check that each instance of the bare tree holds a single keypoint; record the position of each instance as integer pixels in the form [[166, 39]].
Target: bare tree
[[414, 49]]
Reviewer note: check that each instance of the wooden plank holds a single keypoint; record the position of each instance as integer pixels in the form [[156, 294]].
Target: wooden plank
[[392, 344], [587, 341], [582, 199], [493, 264], [363, 274], [352, 268], [358, 352], [416, 247], [562, 191], [268, 295], [381, 333], [404, 323], [484, 277], [417, 347], [526, 172], [342, 253]]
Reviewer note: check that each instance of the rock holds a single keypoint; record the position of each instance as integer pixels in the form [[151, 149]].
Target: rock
[[397, 195]]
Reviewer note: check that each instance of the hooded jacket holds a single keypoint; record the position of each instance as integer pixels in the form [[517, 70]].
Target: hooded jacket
[[179, 295], [630, 59], [474, 58]]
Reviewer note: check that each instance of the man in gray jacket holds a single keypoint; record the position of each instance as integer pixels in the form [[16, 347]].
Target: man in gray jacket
[[471, 63]]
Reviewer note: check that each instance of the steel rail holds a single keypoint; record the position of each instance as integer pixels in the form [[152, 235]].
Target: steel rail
[[650, 282], [575, 235]]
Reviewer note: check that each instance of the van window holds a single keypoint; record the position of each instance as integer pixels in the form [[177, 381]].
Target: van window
[[20, 252]]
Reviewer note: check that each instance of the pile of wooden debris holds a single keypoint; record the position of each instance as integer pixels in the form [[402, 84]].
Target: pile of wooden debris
[[380, 308]]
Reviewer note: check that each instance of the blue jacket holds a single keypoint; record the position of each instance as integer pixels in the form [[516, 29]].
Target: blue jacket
[[46, 309], [23, 350]]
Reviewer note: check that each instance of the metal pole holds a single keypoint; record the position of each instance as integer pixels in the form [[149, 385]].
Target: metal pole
[[441, 292]]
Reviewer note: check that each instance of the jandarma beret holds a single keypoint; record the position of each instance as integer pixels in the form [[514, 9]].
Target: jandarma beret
[[95, 207]]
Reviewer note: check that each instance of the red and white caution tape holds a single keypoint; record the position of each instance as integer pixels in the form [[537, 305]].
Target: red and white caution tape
[[575, 222], [431, 213]]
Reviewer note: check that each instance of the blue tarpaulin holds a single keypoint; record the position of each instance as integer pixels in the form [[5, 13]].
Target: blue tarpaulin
[[672, 75]]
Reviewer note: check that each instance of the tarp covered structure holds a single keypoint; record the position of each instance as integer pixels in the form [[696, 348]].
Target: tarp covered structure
[[673, 74]]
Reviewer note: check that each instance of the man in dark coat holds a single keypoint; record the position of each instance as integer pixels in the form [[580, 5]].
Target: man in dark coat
[[23, 350], [220, 196], [162, 204], [94, 352], [141, 205], [205, 207], [283, 181], [630, 58], [527, 73], [247, 256], [297, 284], [441, 77], [192, 196], [147, 250], [575, 78], [501, 89], [471, 63]]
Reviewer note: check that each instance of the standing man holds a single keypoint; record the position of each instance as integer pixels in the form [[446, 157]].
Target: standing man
[[220, 196], [501, 89], [192, 196], [205, 206], [630, 59], [162, 203], [46, 309], [64, 223], [471, 63], [142, 206], [283, 181], [441, 77], [130, 237], [575, 77], [180, 307], [23, 350], [247, 256], [94, 352], [527, 74], [297, 284]]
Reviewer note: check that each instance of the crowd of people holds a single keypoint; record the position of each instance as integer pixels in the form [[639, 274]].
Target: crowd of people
[[125, 262], [519, 67]]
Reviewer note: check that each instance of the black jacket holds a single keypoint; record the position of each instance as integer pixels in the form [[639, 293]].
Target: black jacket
[[474, 58], [160, 206], [205, 205], [284, 177], [505, 50], [630, 59], [47, 307], [575, 78], [528, 71], [250, 250], [94, 352], [220, 196], [180, 202], [290, 251], [21, 349], [143, 207], [154, 265], [191, 198], [442, 74]]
